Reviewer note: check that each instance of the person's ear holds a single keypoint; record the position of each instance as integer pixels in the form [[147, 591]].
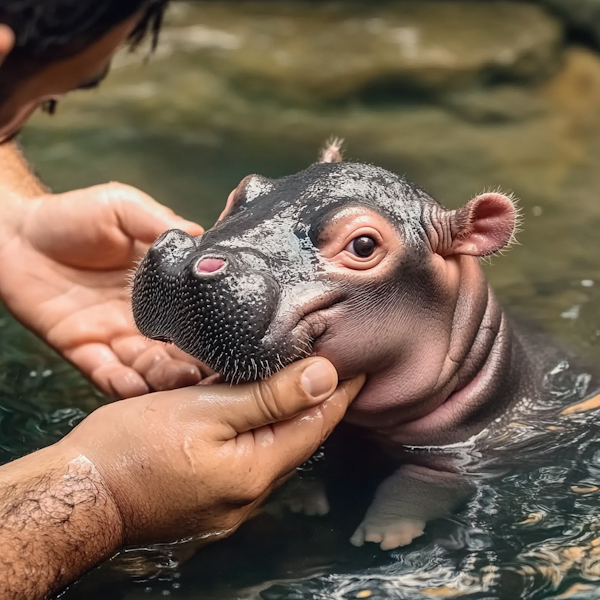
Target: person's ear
[[481, 227], [7, 41]]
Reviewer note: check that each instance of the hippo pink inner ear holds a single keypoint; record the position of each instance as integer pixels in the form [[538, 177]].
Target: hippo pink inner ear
[[482, 226]]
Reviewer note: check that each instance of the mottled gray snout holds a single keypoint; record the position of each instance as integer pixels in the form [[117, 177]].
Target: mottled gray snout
[[217, 304], [172, 247]]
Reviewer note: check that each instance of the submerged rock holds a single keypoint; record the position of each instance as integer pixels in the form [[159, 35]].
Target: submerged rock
[[332, 51]]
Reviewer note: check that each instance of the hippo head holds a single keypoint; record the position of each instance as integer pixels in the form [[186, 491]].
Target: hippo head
[[343, 260]]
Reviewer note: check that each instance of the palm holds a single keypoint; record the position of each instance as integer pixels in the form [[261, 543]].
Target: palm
[[65, 276]]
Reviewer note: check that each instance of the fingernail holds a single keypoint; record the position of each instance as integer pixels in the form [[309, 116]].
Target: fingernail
[[319, 377]]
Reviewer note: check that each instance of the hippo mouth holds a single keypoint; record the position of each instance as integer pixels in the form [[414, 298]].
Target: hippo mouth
[[283, 349], [309, 329], [270, 354]]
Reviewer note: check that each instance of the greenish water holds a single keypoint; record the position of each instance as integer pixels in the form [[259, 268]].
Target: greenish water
[[186, 131]]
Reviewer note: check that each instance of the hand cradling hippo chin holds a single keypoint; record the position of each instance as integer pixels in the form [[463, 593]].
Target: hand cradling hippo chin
[[351, 262]]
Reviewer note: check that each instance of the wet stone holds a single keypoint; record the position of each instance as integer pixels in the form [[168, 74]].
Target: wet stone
[[331, 51]]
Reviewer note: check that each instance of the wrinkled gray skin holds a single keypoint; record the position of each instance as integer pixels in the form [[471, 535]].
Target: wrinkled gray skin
[[442, 360]]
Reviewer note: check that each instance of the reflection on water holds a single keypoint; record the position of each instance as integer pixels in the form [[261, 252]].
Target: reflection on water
[[188, 126]]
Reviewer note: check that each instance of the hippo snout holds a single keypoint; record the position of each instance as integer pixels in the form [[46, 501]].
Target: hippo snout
[[210, 302], [156, 283], [172, 247]]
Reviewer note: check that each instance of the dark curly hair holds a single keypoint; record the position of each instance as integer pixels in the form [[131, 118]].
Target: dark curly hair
[[51, 30], [48, 30]]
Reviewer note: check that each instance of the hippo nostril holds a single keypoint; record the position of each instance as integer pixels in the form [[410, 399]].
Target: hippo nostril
[[209, 265]]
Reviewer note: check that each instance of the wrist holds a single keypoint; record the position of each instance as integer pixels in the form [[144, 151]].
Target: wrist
[[57, 520], [13, 214], [81, 478], [18, 187], [16, 174]]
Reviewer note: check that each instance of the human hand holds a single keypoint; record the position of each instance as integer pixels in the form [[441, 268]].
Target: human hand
[[66, 259], [196, 461]]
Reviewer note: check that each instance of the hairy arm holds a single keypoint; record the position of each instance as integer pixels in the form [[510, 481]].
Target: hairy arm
[[193, 462], [16, 175], [57, 520]]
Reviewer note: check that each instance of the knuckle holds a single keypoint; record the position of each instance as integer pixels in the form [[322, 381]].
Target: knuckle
[[114, 189], [119, 193], [266, 399]]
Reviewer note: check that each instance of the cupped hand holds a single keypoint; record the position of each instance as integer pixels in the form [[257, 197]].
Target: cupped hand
[[66, 260], [195, 462]]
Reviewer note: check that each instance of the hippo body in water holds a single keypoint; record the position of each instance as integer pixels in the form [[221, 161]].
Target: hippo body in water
[[351, 262]]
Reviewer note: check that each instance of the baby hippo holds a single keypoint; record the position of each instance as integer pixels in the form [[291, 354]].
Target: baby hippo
[[351, 262]]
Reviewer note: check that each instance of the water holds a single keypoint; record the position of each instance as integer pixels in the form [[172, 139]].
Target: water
[[187, 135]]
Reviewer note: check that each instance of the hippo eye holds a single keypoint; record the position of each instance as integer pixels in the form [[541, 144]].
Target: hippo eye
[[362, 246]]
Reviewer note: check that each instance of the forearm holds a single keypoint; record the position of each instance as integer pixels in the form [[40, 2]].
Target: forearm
[[16, 176], [57, 520]]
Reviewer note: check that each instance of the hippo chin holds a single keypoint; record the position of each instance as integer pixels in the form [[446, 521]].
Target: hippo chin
[[351, 262]]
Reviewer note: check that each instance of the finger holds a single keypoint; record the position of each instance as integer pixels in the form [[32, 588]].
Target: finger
[[300, 386], [178, 354], [162, 372], [107, 372], [283, 446], [7, 41], [131, 347], [173, 374], [120, 381], [141, 217], [212, 379]]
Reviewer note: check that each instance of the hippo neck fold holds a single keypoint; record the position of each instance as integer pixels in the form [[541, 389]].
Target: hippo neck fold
[[485, 371]]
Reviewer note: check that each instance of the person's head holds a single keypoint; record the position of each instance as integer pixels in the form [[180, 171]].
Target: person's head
[[51, 47]]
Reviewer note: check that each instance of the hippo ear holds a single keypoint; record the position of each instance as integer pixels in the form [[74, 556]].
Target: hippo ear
[[250, 188], [332, 153], [482, 226]]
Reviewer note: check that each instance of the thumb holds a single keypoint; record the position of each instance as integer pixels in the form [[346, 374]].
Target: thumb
[[295, 422], [298, 387], [7, 41]]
